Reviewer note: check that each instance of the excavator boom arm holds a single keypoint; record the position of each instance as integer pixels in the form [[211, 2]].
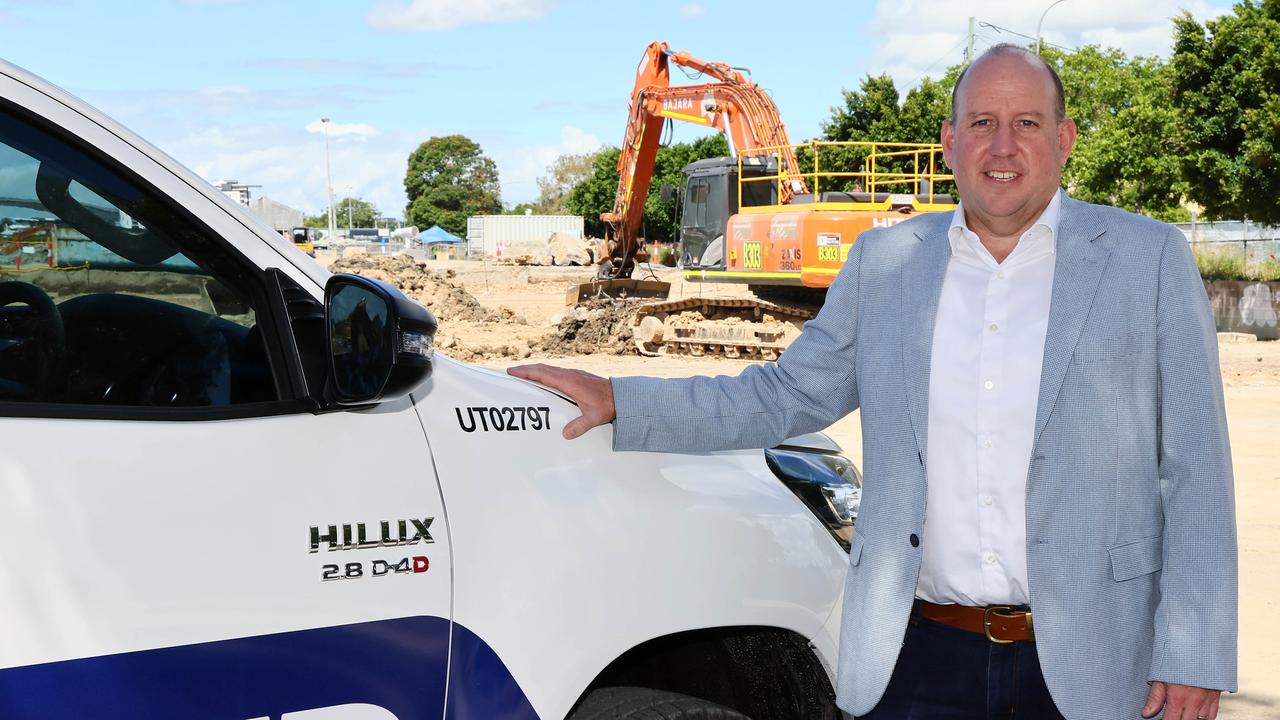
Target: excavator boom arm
[[732, 104]]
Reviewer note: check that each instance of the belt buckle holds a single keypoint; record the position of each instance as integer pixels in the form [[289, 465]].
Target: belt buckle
[[986, 623]]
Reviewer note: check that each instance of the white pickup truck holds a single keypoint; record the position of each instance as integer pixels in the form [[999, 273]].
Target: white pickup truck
[[234, 486]]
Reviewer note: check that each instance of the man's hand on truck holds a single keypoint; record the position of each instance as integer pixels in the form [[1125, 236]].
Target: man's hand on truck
[[592, 393]]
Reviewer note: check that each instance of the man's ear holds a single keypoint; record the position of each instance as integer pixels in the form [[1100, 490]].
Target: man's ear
[[948, 137], [1066, 138]]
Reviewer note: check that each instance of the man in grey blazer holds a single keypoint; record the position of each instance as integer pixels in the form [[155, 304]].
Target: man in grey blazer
[[1040, 374]]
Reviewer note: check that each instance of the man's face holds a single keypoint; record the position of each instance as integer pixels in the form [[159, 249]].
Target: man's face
[[1006, 148]]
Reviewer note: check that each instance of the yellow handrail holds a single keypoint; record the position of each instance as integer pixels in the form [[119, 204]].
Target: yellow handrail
[[870, 174]]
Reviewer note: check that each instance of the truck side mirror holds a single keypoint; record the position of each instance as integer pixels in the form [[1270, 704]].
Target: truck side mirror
[[380, 342]]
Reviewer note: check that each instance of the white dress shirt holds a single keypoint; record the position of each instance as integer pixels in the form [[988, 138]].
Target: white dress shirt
[[984, 384]]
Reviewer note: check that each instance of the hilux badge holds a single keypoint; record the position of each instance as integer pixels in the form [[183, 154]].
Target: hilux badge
[[356, 537]]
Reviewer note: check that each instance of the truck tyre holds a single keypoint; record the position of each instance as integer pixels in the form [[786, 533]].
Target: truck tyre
[[632, 703]]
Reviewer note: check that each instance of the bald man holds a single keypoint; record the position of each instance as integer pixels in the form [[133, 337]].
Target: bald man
[[1044, 437]]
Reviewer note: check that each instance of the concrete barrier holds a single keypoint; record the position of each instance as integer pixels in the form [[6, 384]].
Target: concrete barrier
[[1246, 306]]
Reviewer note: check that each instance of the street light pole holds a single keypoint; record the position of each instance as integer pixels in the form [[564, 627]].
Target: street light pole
[[328, 183], [349, 190], [1040, 40]]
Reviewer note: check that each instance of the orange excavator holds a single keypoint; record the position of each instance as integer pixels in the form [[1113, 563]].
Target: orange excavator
[[768, 216]]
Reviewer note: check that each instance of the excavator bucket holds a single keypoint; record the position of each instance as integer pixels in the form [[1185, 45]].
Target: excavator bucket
[[618, 288]]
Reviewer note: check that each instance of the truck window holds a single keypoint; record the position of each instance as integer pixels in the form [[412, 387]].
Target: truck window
[[111, 296], [695, 208]]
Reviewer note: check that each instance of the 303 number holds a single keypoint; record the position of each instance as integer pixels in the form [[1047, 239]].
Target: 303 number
[[751, 255]]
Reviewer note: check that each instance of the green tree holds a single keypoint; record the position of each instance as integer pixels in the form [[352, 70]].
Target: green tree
[[876, 112], [363, 214], [450, 179], [1123, 155], [868, 113], [354, 212], [520, 208], [1226, 90], [925, 107], [562, 177], [596, 193]]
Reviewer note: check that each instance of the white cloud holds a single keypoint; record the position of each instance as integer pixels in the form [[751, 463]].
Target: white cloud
[[336, 130], [289, 163], [693, 10], [919, 37], [441, 15], [520, 167]]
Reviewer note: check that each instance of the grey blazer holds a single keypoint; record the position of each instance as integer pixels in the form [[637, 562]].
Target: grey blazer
[[1131, 540]]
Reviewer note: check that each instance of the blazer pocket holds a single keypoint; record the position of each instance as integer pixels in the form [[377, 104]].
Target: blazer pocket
[[1136, 558], [1092, 350], [855, 548]]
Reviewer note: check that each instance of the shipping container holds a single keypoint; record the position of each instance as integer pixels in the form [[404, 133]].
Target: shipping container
[[512, 235]]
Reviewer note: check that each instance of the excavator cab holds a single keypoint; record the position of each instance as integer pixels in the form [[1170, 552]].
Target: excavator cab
[[710, 198]]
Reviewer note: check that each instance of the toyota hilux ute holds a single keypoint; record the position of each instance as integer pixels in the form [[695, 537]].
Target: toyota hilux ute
[[235, 486]]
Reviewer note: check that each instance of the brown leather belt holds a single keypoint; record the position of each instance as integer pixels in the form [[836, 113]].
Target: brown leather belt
[[1000, 624]]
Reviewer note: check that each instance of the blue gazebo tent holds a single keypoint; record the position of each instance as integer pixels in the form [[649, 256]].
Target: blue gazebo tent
[[436, 235]]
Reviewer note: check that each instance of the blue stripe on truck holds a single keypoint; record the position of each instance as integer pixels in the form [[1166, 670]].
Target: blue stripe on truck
[[396, 665]]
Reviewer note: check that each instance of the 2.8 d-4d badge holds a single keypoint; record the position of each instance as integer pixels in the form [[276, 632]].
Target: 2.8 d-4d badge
[[356, 536]]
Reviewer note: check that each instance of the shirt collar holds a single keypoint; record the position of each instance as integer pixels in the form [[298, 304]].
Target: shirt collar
[[1048, 221]]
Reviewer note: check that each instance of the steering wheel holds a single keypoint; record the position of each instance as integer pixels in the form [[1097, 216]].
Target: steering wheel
[[46, 345]]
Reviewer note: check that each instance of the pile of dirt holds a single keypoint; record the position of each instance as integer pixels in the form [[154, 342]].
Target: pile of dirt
[[480, 350], [440, 292], [598, 326], [468, 330]]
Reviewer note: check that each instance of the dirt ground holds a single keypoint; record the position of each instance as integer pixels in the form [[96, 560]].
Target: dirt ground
[[534, 303]]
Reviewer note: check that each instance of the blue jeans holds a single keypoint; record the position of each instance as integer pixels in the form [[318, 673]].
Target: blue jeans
[[949, 674]]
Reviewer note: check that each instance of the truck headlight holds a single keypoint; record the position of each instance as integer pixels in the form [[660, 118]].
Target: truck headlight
[[826, 482]]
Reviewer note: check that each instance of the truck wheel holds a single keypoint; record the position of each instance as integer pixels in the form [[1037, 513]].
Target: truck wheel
[[632, 703]]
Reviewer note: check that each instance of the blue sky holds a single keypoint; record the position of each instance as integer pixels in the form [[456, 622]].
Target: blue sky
[[235, 89]]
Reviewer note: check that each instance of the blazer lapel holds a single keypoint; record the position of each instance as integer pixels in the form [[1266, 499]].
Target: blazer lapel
[[1077, 270], [922, 275]]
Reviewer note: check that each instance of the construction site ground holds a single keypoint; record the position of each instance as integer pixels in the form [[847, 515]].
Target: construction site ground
[[528, 321]]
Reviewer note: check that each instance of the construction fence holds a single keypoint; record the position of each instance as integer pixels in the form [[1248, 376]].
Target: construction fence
[[1251, 242]]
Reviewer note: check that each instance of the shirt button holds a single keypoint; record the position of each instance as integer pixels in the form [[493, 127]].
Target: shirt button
[[988, 384], [990, 558], [986, 443], [914, 540], [988, 500], [993, 327], [999, 274]]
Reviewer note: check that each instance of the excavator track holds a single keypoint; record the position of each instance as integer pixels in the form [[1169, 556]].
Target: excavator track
[[730, 327]]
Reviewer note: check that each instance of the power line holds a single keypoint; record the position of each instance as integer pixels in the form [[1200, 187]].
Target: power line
[[999, 29], [944, 55]]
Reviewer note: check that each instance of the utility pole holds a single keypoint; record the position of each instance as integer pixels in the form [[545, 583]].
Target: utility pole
[[328, 183], [350, 201], [968, 48]]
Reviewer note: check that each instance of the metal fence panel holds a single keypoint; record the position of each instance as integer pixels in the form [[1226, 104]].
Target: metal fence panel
[[1253, 242]]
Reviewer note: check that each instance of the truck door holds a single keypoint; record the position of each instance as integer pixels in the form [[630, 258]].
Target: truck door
[[182, 536]]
